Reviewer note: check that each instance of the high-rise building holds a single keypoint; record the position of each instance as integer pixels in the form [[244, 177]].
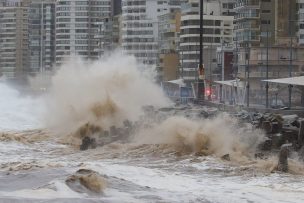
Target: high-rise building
[[78, 26], [117, 31], [140, 27], [107, 35], [41, 35], [218, 30], [254, 18], [168, 41], [300, 6], [116, 7], [14, 38]]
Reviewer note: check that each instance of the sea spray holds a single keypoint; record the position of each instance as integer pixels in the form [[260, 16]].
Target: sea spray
[[18, 112], [103, 93], [107, 92], [220, 135]]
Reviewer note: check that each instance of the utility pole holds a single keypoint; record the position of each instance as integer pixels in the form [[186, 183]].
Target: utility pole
[[41, 37], [290, 56], [248, 86], [201, 85], [267, 62], [211, 63], [222, 71], [182, 64]]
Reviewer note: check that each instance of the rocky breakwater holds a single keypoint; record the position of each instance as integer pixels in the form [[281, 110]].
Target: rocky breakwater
[[284, 135]]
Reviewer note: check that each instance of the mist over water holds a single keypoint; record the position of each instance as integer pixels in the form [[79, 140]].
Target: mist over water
[[18, 112]]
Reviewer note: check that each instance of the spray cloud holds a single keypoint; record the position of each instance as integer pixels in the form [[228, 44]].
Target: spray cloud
[[103, 93]]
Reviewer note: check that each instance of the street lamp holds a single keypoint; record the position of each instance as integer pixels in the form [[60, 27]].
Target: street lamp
[[267, 85], [247, 67], [201, 85], [290, 57]]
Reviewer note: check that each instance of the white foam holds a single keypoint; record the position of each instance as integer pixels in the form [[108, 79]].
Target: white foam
[[174, 186], [61, 190]]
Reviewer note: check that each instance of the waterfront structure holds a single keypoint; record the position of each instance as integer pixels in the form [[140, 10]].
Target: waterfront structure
[[14, 38], [140, 27], [78, 27], [41, 33], [218, 30]]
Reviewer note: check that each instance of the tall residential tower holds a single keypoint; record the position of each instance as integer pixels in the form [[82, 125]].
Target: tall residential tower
[[78, 27], [140, 27], [14, 37]]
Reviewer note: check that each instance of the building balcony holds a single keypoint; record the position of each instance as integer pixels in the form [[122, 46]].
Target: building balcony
[[247, 27], [246, 17]]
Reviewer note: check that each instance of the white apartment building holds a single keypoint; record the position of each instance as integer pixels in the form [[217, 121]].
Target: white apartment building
[[78, 27], [140, 27], [41, 35], [218, 30]]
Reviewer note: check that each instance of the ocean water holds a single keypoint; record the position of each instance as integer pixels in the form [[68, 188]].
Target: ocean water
[[157, 164]]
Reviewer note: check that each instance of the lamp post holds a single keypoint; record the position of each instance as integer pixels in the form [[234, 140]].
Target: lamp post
[[201, 85], [290, 57], [267, 85], [247, 67]]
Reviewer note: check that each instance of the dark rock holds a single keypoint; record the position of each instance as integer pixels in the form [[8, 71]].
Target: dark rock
[[127, 124], [86, 181], [226, 157], [166, 109], [277, 140], [86, 142], [301, 133], [295, 123], [201, 153], [266, 145], [276, 118], [290, 135], [260, 156], [301, 153], [266, 125], [276, 127], [283, 158], [203, 114]]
